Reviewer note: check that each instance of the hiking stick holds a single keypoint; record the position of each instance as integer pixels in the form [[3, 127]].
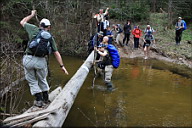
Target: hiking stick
[[94, 66], [33, 7]]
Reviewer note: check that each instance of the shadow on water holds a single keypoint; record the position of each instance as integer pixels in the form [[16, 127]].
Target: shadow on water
[[147, 94]]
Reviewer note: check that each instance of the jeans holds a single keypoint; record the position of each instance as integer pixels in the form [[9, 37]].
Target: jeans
[[35, 73]]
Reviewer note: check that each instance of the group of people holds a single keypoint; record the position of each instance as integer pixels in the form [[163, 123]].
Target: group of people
[[114, 33], [41, 43]]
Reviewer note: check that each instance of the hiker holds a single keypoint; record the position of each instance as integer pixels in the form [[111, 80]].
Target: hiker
[[100, 19], [105, 25], [179, 29], [150, 31], [137, 33], [35, 65], [109, 34], [105, 63], [148, 38], [118, 30], [98, 38], [127, 31], [94, 41]]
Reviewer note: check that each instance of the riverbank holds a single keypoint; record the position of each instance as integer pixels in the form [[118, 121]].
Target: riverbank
[[155, 53]]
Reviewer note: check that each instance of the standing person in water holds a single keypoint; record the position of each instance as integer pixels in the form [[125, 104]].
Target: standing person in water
[[105, 63], [127, 31]]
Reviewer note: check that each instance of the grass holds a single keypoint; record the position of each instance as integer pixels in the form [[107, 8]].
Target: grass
[[165, 37]]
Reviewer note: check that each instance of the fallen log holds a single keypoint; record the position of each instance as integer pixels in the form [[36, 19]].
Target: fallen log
[[23, 123], [14, 121], [67, 96], [27, 116], [52, 96]]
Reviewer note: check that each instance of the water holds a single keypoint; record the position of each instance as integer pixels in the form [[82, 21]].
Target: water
[[147, 94], [144, 96]]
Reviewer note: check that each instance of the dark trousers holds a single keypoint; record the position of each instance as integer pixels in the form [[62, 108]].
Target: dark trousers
[[127, 36], [100, 27], [178, 36], [136, 42]]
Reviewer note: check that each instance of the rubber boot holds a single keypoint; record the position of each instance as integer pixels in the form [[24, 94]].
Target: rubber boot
[[109, 86]]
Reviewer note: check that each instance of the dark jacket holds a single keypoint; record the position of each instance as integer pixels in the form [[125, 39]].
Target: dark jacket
[[127, 28]]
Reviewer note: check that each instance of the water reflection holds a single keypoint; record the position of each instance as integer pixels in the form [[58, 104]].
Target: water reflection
[[144, 97]]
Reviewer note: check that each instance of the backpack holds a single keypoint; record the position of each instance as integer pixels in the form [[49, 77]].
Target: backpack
[[184, 24], [41, 44], [115, 58]]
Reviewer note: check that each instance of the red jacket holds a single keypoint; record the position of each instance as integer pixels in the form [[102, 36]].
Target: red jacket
[[137, 32]]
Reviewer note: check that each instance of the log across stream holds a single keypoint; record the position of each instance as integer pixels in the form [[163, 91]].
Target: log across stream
[[148, 94]]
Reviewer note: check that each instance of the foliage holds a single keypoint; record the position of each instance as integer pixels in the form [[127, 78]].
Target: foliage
[[135, 10]]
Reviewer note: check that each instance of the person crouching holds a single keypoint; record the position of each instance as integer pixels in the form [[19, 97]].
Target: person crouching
[[105, 63]]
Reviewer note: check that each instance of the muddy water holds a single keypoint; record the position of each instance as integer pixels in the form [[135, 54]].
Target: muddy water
[[144, 96], [147, 94]]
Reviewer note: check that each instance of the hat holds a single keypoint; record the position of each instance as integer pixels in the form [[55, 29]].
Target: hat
[[100, 33], [148, 25], [101, 45], [179, 18], [45, 21]]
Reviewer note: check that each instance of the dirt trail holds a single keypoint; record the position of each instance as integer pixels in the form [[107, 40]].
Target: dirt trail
[[155, 53]]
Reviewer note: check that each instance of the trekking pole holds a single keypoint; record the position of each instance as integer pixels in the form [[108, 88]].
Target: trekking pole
[[33, 7], [94, 66]]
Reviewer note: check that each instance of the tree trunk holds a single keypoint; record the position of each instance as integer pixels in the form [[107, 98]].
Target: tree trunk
[[66, 98]]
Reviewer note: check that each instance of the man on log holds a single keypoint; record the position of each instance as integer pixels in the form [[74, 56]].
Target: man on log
[[41, 43]]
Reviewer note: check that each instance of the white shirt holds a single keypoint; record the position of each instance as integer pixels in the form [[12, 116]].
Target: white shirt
[[105, 24]]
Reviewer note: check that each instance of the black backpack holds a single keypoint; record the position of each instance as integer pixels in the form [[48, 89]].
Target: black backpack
[[41, 44]]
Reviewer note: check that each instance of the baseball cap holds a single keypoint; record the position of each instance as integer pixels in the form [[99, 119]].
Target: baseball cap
[[101, 45], [45, 21], [179, 18]]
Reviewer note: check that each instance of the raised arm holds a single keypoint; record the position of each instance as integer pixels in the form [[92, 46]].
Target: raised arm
[[106, 11], [27, 18], [60, 61]]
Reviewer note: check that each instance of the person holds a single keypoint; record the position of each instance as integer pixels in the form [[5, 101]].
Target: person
[[127, 31], [118, 30], [151, 31], [179, 29], [35, 67], [147, 42], [105, 25], [137, 33], [100, 19], [105, 63], [98, 38], [109, 34]]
